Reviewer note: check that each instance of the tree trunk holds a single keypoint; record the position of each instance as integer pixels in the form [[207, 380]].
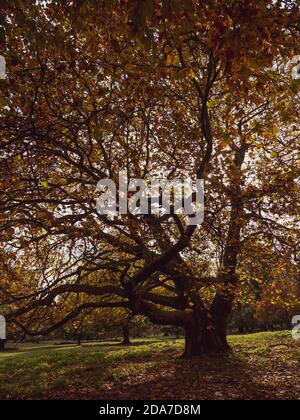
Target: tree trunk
[[204, 337], [126, 338], [2, 344]]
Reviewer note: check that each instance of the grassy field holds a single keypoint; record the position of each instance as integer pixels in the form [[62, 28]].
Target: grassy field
[[260, 366]]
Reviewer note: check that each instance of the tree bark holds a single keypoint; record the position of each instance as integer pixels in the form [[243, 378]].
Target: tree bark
[[202, 338], [2, 344], [126, 337], [207, 333]]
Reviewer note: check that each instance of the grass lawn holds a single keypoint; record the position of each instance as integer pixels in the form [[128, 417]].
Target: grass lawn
[[260, 366]]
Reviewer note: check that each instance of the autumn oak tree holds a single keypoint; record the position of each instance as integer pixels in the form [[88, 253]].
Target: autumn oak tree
[[180, 88]]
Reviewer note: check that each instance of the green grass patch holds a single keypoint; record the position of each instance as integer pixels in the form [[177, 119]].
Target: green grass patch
[[151, 368]]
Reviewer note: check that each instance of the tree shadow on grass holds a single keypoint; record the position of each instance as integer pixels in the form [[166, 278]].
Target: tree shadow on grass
[[212, 377], [154, 373]]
